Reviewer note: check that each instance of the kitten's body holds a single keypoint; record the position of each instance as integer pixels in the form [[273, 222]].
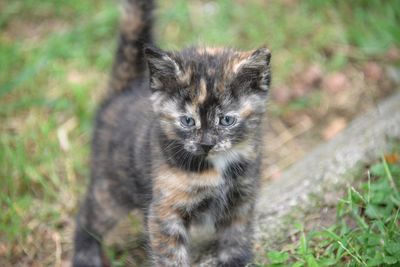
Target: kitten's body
[[143, 157]]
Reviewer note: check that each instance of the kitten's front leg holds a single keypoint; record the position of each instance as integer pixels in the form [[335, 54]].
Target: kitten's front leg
[[168, 237], [235, 237]]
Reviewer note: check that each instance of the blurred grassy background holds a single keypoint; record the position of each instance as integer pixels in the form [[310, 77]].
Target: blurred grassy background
[[55, 57]]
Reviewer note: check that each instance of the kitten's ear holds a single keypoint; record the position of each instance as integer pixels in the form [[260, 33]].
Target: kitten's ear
[[163, 68], [255, 69]]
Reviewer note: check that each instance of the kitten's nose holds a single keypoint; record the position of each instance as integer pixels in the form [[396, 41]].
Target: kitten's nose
[[206, 148]]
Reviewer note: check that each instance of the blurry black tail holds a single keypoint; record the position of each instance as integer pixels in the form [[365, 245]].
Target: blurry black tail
[[136, 28]]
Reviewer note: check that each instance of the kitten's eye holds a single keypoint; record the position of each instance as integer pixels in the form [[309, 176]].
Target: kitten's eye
[[227, 120], [187, 121]]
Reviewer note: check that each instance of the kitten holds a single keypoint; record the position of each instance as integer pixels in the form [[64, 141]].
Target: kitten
[[179, 137]]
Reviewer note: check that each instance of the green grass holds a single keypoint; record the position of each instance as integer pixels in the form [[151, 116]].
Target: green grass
[[55, 57], [366, 231], [311, 31]]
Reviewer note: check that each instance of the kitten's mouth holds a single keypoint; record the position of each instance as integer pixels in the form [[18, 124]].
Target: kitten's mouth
[[200, 150], [206, 150], [202, 153], [216, 152]]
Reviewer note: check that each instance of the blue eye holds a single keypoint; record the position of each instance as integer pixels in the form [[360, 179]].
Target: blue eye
[[227, 120], [187, 121]]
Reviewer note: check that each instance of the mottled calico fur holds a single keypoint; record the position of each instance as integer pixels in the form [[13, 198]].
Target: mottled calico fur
[[180, 139]]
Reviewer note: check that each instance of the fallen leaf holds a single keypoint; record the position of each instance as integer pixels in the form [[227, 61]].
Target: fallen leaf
[[334, 127], [393, 54], [75, 77], [313, 75], [275, 173], [336, 82], [304, 121], [281, 94], [65, 263], [391, 158], [3, 250], [372, 71], [300, 89]]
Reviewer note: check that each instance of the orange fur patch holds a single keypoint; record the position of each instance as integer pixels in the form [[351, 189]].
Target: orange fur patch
[[202, 92]]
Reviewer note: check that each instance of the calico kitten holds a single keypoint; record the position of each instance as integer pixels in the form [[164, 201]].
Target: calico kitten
[[179, 138]]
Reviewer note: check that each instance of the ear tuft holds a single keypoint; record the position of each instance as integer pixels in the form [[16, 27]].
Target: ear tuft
[[261, 56], [163, 68], [256, 69], [152, 51]]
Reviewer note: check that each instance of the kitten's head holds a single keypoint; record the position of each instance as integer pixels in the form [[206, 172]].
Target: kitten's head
[[209, 100]]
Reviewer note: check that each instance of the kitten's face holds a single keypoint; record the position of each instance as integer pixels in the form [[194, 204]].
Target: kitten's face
[[210, 101]]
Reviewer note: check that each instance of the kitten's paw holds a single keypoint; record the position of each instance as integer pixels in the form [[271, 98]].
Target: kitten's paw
[[233, 263], [90, 258]]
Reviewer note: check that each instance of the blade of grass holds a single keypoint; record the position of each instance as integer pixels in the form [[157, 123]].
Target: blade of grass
[[389, 175], [350, 253]]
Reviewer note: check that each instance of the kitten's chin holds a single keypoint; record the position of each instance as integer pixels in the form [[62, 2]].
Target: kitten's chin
[[195, 152], [221, 159], [217, 154]]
